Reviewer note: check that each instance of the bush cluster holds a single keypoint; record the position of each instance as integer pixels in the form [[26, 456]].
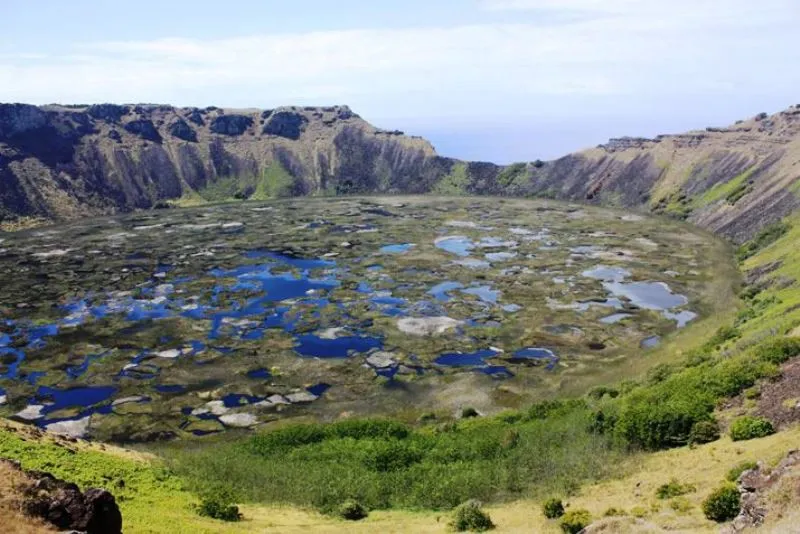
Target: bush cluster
[[469, 517], [352, 510], [749, 427], [704, 432], [553, 508], [723, 504], [216, 508], [574, 521]]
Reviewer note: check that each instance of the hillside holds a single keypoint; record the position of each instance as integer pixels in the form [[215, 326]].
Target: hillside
[[61, 162], [67, 162]]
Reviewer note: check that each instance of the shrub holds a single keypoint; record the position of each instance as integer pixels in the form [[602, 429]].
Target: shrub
[[748, 427], [553, 508], [352, 510], [777, 351], [704, 432], [575, 520], [614, 512], [469, 517], [217, 508], [735, 472], [639, 511], [673, 488], [723, 504]]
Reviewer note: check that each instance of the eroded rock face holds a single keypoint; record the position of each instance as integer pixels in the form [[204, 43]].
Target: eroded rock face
[[144, 129], [182, 130], [285, 124], [63, 505], [108, 112], [231, 124], [18, 118]]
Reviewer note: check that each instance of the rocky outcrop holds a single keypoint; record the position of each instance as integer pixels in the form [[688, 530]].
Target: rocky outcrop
[[231, 124], [63, 505], [285, 124], [65, 162], [144, 129], [754, 487]]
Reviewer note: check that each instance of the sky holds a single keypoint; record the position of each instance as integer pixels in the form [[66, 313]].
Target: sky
[[496, 80]]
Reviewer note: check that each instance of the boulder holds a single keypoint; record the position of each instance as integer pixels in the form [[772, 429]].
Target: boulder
[[63, 505]]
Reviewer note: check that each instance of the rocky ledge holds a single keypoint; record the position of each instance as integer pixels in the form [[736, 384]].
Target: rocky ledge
[[63, 505]]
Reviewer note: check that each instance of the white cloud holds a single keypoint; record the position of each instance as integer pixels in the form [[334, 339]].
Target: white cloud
[[629, 47]]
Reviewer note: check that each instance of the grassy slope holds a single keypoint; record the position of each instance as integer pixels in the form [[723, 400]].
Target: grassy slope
[[153, 501]]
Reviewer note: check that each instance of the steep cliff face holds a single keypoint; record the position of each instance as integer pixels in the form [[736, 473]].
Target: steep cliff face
[[65, 162], [733, 181]]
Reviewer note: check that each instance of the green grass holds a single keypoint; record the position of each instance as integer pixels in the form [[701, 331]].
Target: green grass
[[274, 182], [731, 191], [547, 450], [150, 498], [454, 183]]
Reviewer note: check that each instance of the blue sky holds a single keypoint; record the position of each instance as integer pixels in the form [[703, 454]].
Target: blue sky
[[500, 80]]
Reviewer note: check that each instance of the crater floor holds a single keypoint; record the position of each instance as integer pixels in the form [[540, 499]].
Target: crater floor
[[181, 323]]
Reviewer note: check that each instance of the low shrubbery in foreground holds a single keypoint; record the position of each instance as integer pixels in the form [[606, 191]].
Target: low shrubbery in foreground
[[550, 448]]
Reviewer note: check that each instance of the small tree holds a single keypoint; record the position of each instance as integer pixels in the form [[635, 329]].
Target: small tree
[[723, 504], [574, 521], [553, 508], [352, 510], [470, 517]]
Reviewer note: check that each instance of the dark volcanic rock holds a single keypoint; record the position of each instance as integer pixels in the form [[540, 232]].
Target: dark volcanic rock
[[231, 124], [144, 129], [108, 112], [19, 118], [196, 116], [285, 124], [182, 130], [63, 505]]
